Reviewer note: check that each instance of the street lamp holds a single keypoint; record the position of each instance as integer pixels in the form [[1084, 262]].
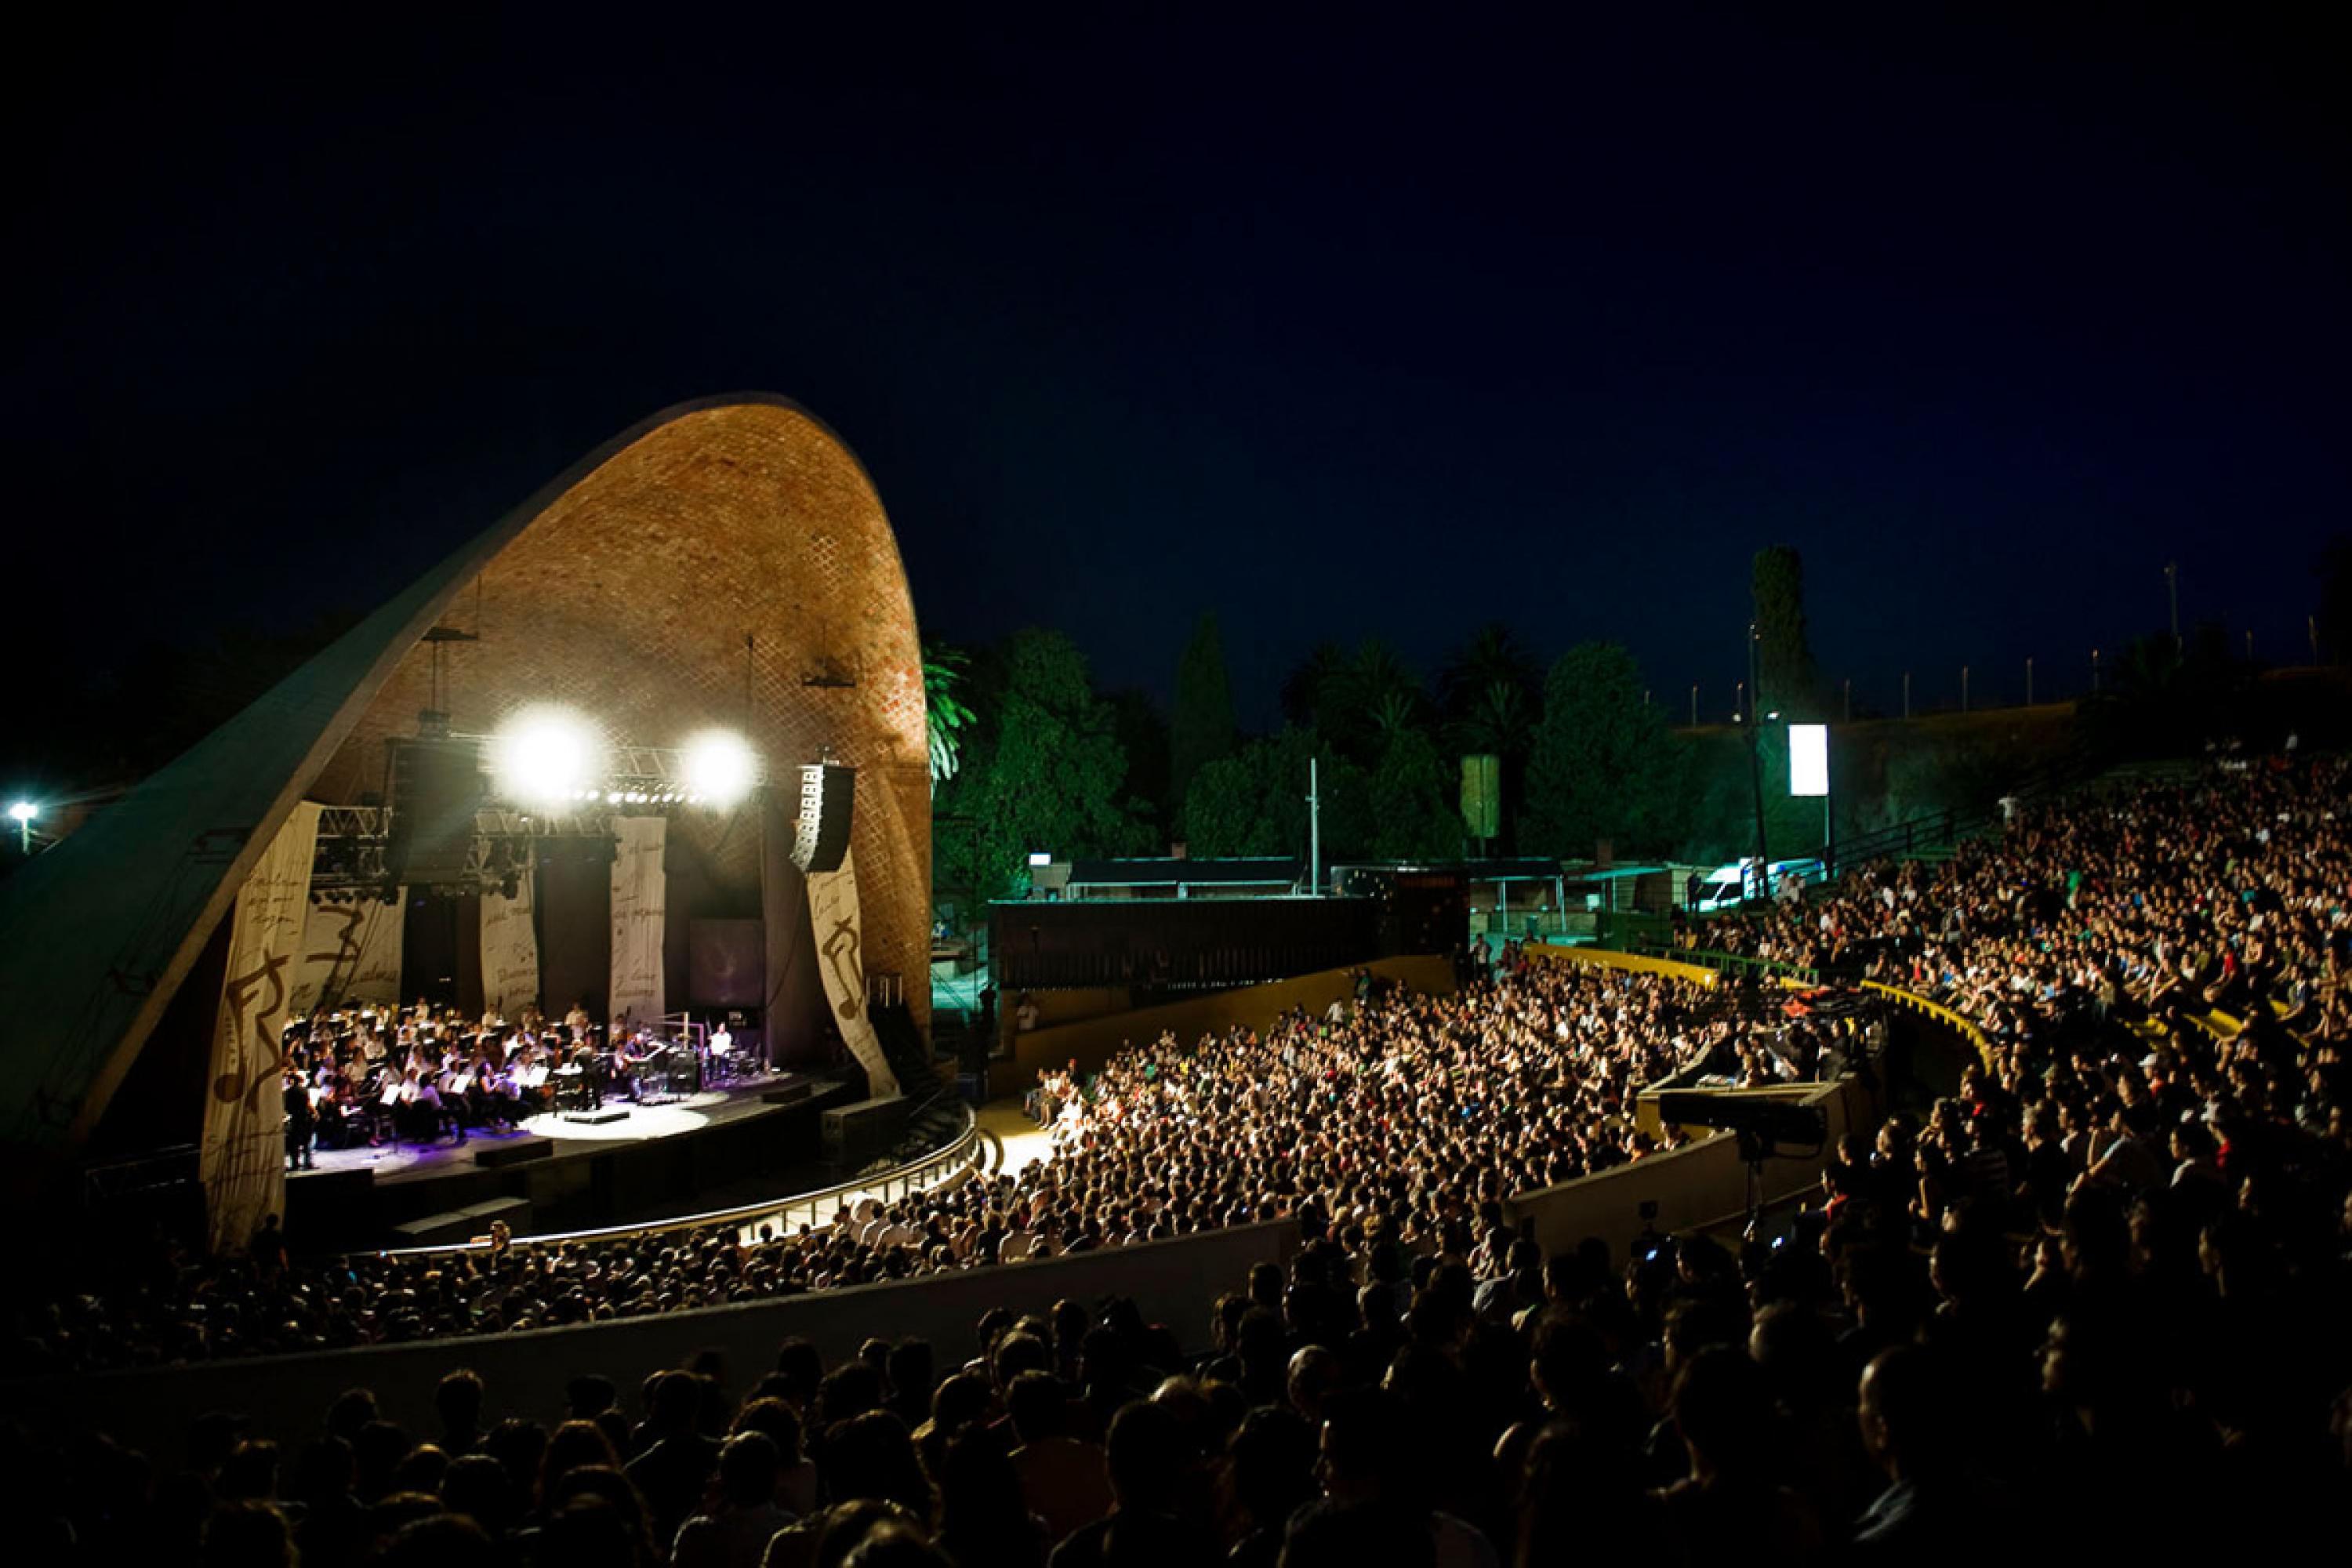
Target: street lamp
[[23, 813]]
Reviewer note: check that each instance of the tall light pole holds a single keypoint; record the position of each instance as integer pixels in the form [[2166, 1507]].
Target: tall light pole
[[1849, 699], [1906, 694], [2029, 680], [1693, 704], [1964, 688], [22, 814], [1755, 759], [1314, 831], [1755, 681], [2094, 672], [2172, 595]]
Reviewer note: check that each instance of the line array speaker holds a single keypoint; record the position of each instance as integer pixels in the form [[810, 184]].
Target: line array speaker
[[436, 787], [821, 837]]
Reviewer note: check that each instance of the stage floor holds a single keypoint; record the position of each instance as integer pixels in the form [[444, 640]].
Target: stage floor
[[396, 1162]]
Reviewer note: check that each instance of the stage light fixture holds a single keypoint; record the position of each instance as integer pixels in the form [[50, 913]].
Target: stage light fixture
[[720, 766], [542, 754]]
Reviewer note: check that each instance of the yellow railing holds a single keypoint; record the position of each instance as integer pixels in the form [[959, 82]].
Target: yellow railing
[[1951, 1020], [1632, 962]]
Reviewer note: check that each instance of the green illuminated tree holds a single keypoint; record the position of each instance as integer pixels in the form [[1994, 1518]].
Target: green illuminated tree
[[1601, 765], [1416, 807], [1255, 802], [1045, 773], [1201, 730], [1358, 702]]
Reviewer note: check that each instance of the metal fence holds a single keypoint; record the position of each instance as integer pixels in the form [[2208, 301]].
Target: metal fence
[[969, 1151]]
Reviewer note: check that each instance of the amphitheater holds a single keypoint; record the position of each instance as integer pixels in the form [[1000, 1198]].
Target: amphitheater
[[2080, 1070]]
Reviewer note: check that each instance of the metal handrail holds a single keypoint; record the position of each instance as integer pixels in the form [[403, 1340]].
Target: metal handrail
[[1746, 963], [916, 1175]]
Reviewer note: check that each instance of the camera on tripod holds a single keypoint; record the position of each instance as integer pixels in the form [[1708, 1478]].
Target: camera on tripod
[[1762, 1124]]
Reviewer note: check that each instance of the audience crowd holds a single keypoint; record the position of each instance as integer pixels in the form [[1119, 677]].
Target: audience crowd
[[1404, 1113], [2090, 1304]]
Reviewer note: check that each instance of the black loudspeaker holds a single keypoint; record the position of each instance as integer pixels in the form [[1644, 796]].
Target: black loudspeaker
[[521, 1151], [436, 787], [855, 1135], [821, 837]]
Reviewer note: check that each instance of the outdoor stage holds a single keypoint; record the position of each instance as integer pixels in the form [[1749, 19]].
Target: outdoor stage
[[556, 1174]]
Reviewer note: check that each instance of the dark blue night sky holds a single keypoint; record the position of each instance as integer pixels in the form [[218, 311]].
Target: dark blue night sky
[[1340, 329]]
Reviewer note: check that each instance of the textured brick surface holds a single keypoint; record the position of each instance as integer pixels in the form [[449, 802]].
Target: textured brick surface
[[629, 598]]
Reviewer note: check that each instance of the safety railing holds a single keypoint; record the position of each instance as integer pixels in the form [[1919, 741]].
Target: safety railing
[[951, 1162], [1740, 965], [1945, 1015]]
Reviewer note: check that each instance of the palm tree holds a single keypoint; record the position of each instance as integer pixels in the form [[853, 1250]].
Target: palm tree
[[1308, 685], [1493, 653], [1502, 721], [946, 716]]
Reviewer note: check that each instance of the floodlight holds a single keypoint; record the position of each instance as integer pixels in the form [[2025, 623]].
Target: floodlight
[[720, 766], [24, 811], [545, 753], [1040, 858], [1808, 759]]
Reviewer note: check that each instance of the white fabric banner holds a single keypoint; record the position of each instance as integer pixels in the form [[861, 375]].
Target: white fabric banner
[[242, 1160], [351, 952], [841, 960], [639, 905], [509, 953]]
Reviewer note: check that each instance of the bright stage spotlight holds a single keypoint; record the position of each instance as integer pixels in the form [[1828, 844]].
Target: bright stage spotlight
[[545, 755], [718, 766]]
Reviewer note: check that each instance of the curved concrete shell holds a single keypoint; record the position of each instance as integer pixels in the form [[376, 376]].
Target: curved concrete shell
[[627, 588]]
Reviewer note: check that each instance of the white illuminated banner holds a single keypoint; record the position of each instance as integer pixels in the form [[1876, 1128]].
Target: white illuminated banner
[[639, 913], [351, 952], [510, 952], [242, 1160], [1809, 760], [841, 961]]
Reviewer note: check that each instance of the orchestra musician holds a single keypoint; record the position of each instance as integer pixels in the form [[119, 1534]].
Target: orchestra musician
[[300, 1122], [640, 1063]]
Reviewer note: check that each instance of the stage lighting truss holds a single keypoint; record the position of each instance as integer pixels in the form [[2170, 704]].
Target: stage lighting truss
[[350, 862], [715, 771]]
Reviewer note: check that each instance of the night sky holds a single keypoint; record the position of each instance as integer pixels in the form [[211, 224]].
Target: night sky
[[1341, 329]]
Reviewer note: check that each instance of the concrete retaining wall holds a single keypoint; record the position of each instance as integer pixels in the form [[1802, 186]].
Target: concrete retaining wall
[[1092, 1041], [1694, 1186], [1176, 1282]]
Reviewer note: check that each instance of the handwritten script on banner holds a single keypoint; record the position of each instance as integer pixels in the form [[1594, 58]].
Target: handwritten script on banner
[[639, 905], [351, 952], [510, 952], [841, 960], [242, 1159]]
